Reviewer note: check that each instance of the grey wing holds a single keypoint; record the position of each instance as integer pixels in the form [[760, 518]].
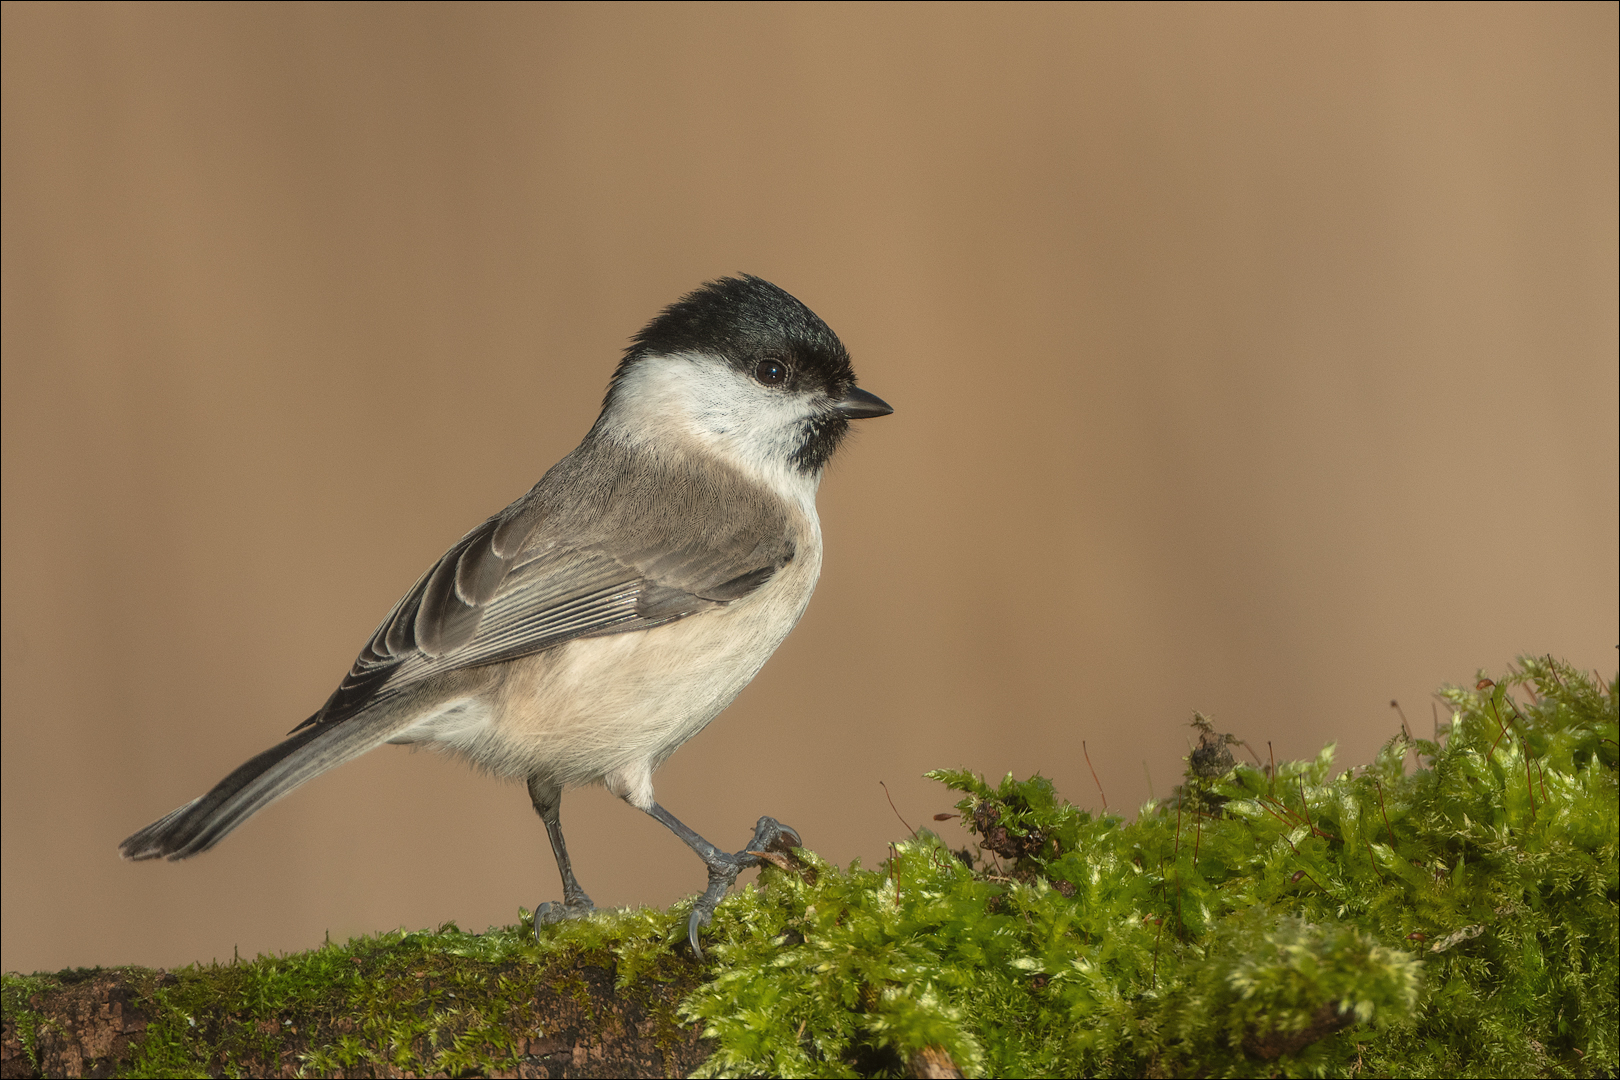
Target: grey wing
[[498, 595]]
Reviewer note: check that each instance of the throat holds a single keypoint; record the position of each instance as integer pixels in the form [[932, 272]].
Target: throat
[[771, 464]]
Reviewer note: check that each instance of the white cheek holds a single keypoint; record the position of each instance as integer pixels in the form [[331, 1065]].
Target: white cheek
[[705, 400]]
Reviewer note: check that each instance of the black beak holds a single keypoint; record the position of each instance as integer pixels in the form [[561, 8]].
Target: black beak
[[857, 404]]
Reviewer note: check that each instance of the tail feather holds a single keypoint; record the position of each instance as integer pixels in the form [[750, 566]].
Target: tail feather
[[204, 822]]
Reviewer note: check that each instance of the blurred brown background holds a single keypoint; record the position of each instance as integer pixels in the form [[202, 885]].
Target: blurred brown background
[[1253, 359]]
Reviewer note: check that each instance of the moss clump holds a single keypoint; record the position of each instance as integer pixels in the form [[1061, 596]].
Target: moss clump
[[1460, 920]]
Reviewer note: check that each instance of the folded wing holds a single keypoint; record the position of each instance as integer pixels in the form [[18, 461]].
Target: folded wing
[[547, 570]]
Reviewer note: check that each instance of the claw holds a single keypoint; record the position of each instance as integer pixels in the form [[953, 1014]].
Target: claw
[[781, 837], [693, 924]]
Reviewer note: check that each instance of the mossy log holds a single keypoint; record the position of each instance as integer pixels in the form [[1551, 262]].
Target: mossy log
[[578, 1024], [1450, 909]]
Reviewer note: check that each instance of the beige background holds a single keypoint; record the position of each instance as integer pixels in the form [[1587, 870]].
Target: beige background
[[1253, 359]]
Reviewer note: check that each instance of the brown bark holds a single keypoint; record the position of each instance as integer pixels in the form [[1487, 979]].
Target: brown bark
[[89, 1028]]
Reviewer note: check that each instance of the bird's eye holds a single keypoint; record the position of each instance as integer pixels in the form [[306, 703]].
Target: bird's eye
[[771, 372]]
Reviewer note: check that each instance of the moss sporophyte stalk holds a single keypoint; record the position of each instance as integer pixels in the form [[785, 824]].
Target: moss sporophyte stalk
[[1287, 919]]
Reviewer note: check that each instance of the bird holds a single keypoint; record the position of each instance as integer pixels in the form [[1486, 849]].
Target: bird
[[586, 631]]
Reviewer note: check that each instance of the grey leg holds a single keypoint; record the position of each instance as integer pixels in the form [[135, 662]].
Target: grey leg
[[769, 835], [547, 798]]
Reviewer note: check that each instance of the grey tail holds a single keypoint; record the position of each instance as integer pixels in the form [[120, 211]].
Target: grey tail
[[202, 823]]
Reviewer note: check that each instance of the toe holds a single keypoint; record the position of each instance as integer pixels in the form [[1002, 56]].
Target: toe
[[772, 835], [548, 913]]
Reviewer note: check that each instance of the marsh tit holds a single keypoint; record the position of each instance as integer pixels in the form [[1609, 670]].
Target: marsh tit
[[589, 629]]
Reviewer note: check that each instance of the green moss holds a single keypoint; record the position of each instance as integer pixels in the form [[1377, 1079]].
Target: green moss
[[443, 1001], [15, 992], [1459, 920]]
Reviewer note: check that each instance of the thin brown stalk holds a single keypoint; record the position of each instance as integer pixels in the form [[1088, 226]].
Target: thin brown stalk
[[896, 809], [1093, 769], [1382, 809]]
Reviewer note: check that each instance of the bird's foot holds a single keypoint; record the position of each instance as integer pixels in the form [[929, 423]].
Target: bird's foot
[[575, 907], [773, 842]]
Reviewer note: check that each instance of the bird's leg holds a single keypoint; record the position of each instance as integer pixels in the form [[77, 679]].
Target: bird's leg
[[770, 836], [547, 798]]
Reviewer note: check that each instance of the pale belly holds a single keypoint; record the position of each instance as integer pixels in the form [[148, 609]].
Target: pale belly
[[612, 709]]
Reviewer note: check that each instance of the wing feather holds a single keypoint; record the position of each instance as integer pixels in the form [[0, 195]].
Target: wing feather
[[608, 542]]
